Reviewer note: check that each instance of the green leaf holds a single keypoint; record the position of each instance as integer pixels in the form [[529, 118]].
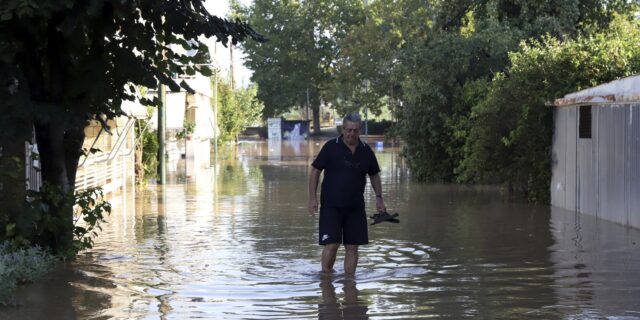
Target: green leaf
[[206, 71], [10, 228], [185, 85]]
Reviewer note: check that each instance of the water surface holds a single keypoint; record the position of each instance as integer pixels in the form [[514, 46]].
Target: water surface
[[236, 242]]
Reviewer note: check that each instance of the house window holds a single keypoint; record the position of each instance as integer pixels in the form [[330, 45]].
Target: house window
[[584, 126]]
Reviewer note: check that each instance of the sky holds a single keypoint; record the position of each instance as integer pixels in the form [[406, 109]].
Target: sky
[[242, 74]]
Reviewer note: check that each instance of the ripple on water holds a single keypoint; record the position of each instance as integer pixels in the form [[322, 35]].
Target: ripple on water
[[240, 245]]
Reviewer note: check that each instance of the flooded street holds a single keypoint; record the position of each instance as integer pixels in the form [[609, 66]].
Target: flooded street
[[236, 242]]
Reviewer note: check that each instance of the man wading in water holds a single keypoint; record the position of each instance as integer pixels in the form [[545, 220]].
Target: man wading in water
[[346, 162]]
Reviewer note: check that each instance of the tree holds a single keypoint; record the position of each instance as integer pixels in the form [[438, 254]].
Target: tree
[[239, 108], [367, 69], [511, 135], [437, 73], [301, 52], [447, 72], [64, 63]]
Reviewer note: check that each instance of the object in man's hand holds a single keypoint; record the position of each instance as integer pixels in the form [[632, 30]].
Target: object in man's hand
[[384, 216]]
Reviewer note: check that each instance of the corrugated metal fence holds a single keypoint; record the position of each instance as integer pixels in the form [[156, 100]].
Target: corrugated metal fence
[[600, 175]]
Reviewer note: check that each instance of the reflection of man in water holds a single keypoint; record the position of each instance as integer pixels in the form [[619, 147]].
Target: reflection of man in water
[[346, 162], [352, 308]]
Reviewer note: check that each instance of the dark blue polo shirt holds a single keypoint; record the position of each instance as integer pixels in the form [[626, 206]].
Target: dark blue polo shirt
[[345, 173]]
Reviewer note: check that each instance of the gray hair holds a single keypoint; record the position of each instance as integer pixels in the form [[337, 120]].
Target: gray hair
[[352, 117]]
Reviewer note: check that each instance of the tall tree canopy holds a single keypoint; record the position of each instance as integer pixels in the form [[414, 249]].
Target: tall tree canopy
[[446, 73], [63, 63], [439, 59], [302, 50], [368, 67], [511, 138]]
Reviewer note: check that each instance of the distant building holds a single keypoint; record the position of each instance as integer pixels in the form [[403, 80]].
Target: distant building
[[596, 152], [197, 110]]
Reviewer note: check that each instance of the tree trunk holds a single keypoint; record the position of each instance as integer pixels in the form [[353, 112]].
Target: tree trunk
[[12, 178], [316, 119], [60, 149], [50, 138], [15, 131], [73, 141]]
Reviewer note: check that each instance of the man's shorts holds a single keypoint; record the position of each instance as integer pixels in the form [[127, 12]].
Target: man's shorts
[[343, 225]]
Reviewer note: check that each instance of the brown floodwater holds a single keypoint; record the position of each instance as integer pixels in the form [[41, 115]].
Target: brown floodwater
[[235, 242]]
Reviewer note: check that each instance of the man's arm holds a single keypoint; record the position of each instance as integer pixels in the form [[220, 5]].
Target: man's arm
[[377, 188], [314, 176]]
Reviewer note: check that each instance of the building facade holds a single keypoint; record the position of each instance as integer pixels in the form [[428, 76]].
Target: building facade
[[186, 155]]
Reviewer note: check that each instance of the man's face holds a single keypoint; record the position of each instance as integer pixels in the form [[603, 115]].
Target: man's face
[[351, 132]]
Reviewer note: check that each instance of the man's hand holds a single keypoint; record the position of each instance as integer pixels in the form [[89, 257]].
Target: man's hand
[[377, 188], [313, 206], [380, 205], [314, 176]]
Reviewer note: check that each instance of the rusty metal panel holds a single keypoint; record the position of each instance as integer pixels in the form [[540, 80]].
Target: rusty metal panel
[[610, 166], [633, 166], [558, 158], [615, 92]]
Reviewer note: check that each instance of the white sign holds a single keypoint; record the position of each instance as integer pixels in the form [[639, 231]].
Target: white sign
[[175, 104], [274, 128]]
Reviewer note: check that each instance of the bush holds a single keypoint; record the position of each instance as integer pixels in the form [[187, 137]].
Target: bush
[[65, 234], [510, 137], [146, 152], [21, 265]]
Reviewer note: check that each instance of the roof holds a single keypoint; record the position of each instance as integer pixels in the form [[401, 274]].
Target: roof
[[624, 90]]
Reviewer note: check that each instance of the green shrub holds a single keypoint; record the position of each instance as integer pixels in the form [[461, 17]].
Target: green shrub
[[65, 234], [21, 265], [146, 152], [510, 136]]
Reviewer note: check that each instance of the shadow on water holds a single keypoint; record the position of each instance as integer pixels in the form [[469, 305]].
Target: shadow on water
[[235, 241]]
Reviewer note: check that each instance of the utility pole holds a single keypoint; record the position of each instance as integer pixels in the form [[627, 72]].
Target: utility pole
[[232, 76], [307, 104], [215, 112], [366, 110], [162, 115]]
